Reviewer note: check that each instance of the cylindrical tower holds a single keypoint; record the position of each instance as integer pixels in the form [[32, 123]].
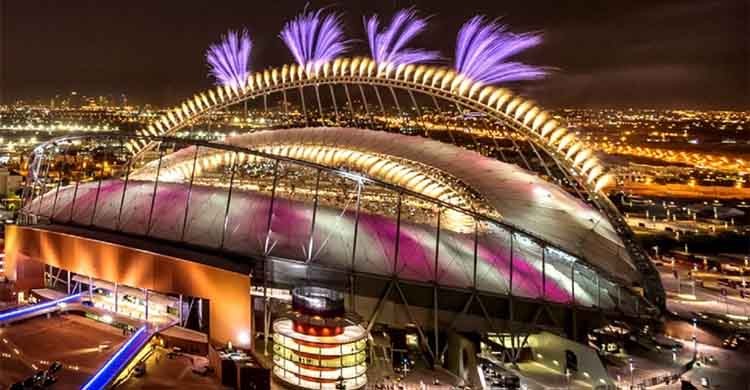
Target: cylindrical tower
[[316, 346]]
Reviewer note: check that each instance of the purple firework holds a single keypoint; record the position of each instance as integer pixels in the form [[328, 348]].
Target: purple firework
[[314, 38], [483, 48], [389, 45], [229, 59]]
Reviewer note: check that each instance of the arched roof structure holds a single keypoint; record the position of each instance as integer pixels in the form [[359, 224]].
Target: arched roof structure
[[463, 184], [485, 185]]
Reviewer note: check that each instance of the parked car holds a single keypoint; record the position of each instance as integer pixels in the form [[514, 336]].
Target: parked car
[[201, 370], [140, 370], [49, 380], [55, 367]]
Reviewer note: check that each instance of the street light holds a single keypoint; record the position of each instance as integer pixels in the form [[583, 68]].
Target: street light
[[632, 368], [695, 337], [695, 347]]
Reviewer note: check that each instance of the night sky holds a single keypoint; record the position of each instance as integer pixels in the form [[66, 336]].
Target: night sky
[[606, 53]]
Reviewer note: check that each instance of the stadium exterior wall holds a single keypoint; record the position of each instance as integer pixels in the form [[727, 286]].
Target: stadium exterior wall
[[27, 249]]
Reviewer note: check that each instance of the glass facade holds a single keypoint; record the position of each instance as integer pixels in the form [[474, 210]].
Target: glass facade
[[318, 362]]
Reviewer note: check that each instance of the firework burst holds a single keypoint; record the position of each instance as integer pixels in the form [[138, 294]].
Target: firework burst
[[314, 38], [229, 59], [484, 47], [388, 46]]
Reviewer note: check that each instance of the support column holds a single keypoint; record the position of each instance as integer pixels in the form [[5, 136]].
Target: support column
[[146, 294], [380, 100], [314, 217], [395, 99], [419, 113], [476, 246], [573, 282], [153, 194], [364, 99], [285, 103], [179, 310], [96, 198], [320, 105], [266, 325], [116, 300], [229, 200], [436, 329], [544, 273], [73, 203], [440, 110], [398, 236], [541, 160], [304, 107], [510, 278], [57, 190], [335, 105], [266, 248], [122, 199], [598, 291], [190, 192], [42, 179], [356, 225], [520, 153], [352, 293], [349, 101]]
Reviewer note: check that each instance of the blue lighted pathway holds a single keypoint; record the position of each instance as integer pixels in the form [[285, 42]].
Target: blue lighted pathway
[[112, 368], [38, 309]]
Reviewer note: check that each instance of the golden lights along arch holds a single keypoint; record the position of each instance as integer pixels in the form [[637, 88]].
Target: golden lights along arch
[[407, 174], [498, 103]]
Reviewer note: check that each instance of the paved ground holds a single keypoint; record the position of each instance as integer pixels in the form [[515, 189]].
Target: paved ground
[[535, 376], [683, 302], [165, 373], [728, 370], [412, 380], [72, 340], [731, 370]]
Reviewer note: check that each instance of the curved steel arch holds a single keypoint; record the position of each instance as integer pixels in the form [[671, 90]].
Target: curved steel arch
[[499, 104], [577, 163]]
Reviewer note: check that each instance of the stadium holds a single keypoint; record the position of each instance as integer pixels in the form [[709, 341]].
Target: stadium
[[432, 203]]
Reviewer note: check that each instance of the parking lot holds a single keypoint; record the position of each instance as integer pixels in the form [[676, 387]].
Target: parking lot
[[171, 372], [80, 344]]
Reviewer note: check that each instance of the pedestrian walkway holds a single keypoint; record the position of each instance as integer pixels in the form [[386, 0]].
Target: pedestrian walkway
[[26, 312], [117, 363]]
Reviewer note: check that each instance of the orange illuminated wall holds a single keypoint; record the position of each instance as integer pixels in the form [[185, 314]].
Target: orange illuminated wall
[[28, 248]]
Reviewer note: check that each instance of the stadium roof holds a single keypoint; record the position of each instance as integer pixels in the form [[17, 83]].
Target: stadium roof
[[520, 197]]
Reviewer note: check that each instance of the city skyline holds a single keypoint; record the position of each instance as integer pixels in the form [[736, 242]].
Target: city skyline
[[665, 55]]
